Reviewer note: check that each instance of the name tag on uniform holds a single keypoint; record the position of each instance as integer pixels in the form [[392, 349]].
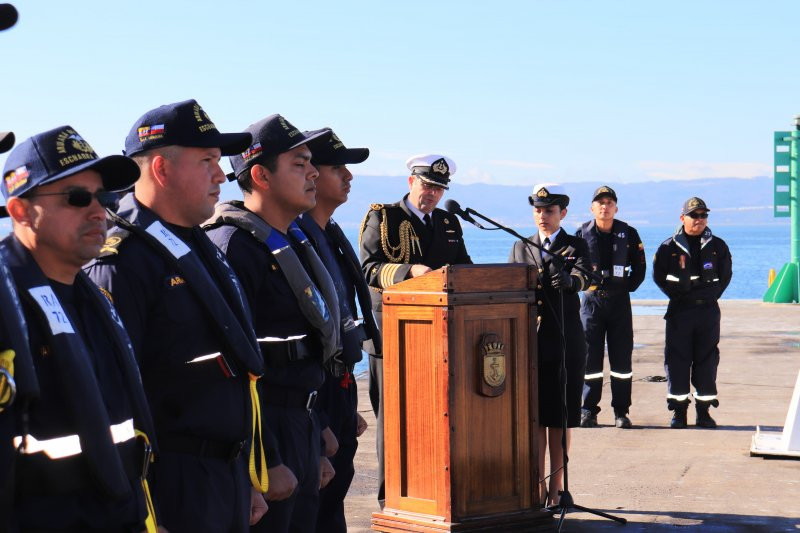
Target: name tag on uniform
[[169, 240], [619, 271], [56, 317]]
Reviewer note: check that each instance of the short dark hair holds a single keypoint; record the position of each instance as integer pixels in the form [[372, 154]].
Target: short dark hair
[[245, 180]]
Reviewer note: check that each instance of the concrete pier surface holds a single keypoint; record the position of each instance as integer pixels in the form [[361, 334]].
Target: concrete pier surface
[[662, 479]]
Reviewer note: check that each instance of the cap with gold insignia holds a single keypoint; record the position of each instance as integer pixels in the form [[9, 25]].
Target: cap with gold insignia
[[272, 136], [433, 169], [604, 190], [694, 204], [545, 194], [328, 149], [181, 124], [57, 154]]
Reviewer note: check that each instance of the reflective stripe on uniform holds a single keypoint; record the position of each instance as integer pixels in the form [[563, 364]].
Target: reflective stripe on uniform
[[620, 375], [708, 398], [598, 375], [61, 447], [670, 277], [679, 397]]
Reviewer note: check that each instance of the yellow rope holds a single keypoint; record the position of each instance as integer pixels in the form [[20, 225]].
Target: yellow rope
[[258, 472]]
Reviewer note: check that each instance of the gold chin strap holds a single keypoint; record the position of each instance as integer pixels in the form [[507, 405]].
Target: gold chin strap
[[150, 523], [257, 466]]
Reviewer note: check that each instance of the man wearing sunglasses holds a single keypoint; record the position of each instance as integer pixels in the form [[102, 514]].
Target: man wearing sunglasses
[[190, 329], [693, 268], [83, 444]]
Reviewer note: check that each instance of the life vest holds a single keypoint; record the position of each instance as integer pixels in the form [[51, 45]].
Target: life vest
[[616, 276], [318, 301]]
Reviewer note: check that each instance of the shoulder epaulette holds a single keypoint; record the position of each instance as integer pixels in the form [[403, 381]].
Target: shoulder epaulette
[[111, 246], [376, 207]]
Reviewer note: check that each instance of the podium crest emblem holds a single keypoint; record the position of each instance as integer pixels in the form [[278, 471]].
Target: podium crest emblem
[[493, 365]]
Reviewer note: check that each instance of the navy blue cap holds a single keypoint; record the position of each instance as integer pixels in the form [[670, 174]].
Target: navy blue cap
[[181, 124], [604, 190], [694, 204], [57, 154], [6, 141], [271, 136], [8, 16], [327, 149]]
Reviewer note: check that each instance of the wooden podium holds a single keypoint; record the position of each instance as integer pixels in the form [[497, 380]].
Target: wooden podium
[[460, 402]]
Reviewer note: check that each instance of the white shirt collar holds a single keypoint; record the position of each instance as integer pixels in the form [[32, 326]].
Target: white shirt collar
[[416, 211], [552, 237]]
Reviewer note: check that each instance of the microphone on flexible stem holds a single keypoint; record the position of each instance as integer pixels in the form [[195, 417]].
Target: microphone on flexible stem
[[452, 207]]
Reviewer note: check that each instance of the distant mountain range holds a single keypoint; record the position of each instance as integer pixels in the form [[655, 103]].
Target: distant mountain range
[[733, 201]]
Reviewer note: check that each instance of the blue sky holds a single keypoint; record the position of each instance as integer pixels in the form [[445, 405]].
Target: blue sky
[[514, 92]]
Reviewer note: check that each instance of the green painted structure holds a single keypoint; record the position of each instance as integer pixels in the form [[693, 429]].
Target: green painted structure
[[786, 287]]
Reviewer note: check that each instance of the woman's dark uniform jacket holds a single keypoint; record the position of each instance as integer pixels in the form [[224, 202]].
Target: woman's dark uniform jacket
[[549, 333]]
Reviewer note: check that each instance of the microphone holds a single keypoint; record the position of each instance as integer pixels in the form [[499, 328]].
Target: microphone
[[452, 207]]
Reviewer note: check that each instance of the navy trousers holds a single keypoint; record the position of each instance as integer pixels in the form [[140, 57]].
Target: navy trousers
[[606, 318]]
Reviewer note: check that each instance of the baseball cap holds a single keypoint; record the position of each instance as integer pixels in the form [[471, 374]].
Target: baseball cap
[[57, 154], [604, 190], [693, 204], [181, 124], [328, 149], [433, 169], [271, 136], [545, 194]]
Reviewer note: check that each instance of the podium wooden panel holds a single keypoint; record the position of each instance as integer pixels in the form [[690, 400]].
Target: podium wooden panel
[[461, 450]]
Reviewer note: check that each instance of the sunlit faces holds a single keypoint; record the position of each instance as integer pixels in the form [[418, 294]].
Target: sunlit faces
[[604, 208], [333, 184], [695, 223], [548, 218], [293, 184], [193, 177], [63, 233], [422, 195]]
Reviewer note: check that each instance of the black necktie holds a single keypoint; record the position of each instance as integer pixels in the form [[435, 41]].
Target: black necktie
[[427, 219]]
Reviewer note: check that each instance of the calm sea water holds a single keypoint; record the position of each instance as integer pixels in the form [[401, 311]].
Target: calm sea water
[[754, 249]]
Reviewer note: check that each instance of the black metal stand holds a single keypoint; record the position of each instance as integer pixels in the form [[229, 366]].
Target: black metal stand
[[565, 502]]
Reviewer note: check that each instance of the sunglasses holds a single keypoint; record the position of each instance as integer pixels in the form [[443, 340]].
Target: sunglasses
[[83, 198], [697, 215]]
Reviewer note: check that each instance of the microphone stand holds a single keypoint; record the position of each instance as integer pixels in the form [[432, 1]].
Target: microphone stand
[[565, 500]]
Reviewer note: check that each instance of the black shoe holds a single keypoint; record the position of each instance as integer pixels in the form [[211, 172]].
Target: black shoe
[[678, 419], [704, 420], [623, 422], [588, 419]]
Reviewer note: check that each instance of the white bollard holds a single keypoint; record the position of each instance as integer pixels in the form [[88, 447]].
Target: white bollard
[[786, 443]]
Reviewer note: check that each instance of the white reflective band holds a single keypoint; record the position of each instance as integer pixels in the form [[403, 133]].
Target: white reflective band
[[679, 397], [670, 277], [716, 279], [619, 375], [61, 447], [708, 398], [694, 277], [598, 375]]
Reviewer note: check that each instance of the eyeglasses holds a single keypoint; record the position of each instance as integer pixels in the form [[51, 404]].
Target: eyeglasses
[[83, 198], [697, 215]]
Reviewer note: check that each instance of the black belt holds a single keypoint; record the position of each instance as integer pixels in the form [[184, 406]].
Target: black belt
[[190, 445], [274, 396], [606, 293], [281, 353], [38, 475]]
